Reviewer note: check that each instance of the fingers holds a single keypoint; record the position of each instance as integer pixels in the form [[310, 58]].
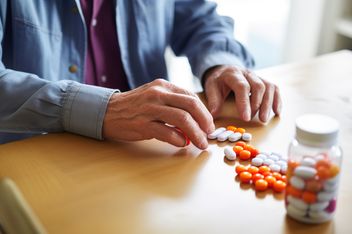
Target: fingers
[[277, 105], [193, 106], [214, 97], [167, 134], [236, 81], [257, 91], [267, 102], [184, 121]]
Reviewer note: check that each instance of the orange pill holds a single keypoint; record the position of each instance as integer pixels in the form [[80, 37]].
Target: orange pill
[[271, 180], [241, 130], [245, 155], [256, 177], [267, 173], [309, 197], [334, 170], [261, 185], [240, 168], [237, 149], [245, 177], [292, 164], [313, 186], [323, 172], [293, 191], [254, 152], [241, 143], [279, 186], [231, 128], [263, 169], [284, 178], [253, 170], [323, 163], [277, 175]]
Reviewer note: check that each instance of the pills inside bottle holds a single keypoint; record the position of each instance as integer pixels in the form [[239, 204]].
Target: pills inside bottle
[[313, 172]]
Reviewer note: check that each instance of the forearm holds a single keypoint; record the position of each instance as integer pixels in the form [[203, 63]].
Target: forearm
[[31, 105]]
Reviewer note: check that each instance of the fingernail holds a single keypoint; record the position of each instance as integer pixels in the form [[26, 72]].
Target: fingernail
[[211, 128], [204, 144], [246, 116]]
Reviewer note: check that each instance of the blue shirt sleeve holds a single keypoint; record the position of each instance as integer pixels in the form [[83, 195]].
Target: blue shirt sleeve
[[206, 38]]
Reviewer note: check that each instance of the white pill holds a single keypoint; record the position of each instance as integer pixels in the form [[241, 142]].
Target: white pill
[[284, 170], [257, 161], [309, 162], [319, 215], [265, 153], [292, 210], [330, 187], [230, 154], [281, 163], [275, 167], [274, 157], [215, 134], [277, 155], [235, 136], [332, 181], [298, 203], [325, 196], [297, 182], [319, 157], [319, 206], [246, 136], [262, 156], [268, 162], [224, 135], [305, 172]]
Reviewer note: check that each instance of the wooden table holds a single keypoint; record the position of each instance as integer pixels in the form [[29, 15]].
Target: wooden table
[[79, 185]]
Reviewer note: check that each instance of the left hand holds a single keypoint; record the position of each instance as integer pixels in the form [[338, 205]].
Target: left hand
[[252, 93]]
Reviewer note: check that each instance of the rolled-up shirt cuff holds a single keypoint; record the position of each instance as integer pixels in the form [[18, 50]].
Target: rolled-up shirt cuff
[[216, 59], [84, 109]]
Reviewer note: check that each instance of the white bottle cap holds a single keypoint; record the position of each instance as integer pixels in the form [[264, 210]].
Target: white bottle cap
[[316, 130]]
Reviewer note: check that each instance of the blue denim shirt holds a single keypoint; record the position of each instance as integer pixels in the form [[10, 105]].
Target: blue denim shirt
[[43, 49]]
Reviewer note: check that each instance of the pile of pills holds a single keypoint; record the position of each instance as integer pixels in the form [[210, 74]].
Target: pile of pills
[[265, 171], [273, 160], [241, 149], [230, 133], [312, 188], [262, 178]]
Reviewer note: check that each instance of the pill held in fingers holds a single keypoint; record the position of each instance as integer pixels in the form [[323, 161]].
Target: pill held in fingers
[[217, 132]]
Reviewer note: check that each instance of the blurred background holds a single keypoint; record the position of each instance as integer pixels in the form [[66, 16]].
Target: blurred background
[[279, 31]]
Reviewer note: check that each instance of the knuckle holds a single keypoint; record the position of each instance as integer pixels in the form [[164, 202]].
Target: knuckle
[[192, 103], [159, 82], [154, 92], [185, 117], [258, 86], [243, 85]]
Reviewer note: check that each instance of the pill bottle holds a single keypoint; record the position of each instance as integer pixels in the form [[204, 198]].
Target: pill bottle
[[313, 172]]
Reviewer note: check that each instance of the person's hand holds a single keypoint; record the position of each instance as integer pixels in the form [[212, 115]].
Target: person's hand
[[156, 110], [252, 93]]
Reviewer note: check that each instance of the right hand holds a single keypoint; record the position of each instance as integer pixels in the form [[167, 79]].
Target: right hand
[[143, 113]]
